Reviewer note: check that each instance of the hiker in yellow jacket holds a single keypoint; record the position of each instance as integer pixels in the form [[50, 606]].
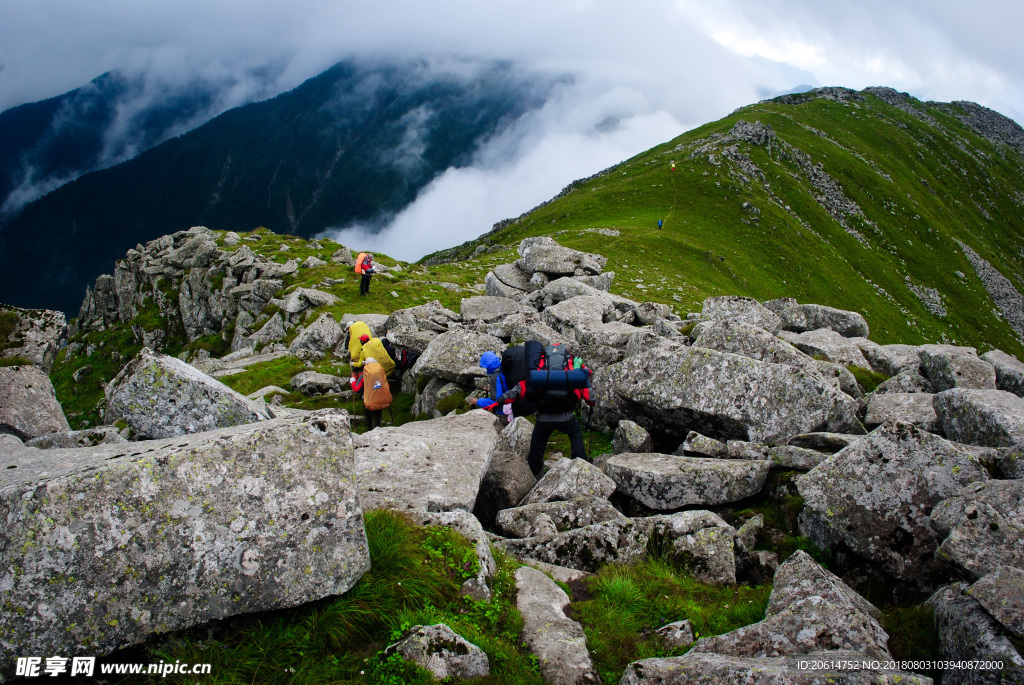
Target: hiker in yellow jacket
[[356, 331], [374, 348]]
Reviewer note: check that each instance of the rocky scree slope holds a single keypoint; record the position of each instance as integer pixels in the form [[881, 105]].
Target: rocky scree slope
[[704, 409]]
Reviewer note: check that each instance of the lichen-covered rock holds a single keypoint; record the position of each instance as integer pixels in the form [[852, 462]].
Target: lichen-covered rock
[[751, 341], [35, 334], [906, 382], [968, 633], [488, 309], [824, 442], [697, 444], [434, 465], [312, 383], [513, 277], [948, 370], [564, 515], [455, 356], [699, 540], [185, 530], [631, 437], [160, 396], [720, 669], [746, 535], [1001, 594], [90, 437], [1009, 371], [802, 577], [555, 260], [556, 640], [983, 526], [673, 391], [846, 323], [431, 316], [28, 403], [443, 652], [469, 526], [991, 418], [790, 312], [1009, 462], [745, 310], [527, 326], [797, 458], [891, 360], [676, 634], [825, 343], [877, 495], [915, 408], [664, 482], [320, 336], [508, 478], [569, 479]]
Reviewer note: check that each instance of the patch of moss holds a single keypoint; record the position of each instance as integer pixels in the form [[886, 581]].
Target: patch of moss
[[867, 378]]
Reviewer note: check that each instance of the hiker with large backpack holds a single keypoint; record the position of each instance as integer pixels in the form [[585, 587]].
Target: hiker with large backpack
[[364, 267], [355, 332], [373, 383], [555, 382], [373, 348]]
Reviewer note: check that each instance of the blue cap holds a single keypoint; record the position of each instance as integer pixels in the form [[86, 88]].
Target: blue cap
[[490, 362]]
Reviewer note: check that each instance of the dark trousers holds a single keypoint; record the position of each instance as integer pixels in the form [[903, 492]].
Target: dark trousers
[[364, 284], [373, 418], [543, 430]]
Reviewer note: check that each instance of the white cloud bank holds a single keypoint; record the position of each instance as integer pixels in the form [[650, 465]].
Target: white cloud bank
[[644, 71]]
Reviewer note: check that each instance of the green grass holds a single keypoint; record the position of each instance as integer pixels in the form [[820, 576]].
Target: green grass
[[14, 361], [414, 579], [628, 602], [866, 378]]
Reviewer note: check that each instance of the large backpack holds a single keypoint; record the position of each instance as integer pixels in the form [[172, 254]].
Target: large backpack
[[515, 370], [376, 393], [551, 378]]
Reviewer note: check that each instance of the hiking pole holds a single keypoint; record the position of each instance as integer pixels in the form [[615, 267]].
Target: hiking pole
[[392, 411]]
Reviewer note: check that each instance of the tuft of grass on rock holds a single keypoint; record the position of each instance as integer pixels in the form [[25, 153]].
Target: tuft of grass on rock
[[866, 378]]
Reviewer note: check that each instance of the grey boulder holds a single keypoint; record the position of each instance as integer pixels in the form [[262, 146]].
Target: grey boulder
[[743, 310], [946, 369], [455, 356], [320, 336], [1001, 594], [674, 391], [983, 527], [877, 496], [1009, 371], [488, 309], [185, 530], [631, 437], [990, 418], [569, 479], [916, 408], [160, 396], [89, 437], [564, 515], [443, 652], [434, 465], [665, 482], [28, 403], [846, 323]]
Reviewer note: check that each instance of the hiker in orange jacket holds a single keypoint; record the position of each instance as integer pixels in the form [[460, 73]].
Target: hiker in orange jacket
[[364, 267]]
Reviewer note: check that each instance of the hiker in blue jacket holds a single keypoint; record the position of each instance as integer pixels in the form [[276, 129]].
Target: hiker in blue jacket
[[491, 363]]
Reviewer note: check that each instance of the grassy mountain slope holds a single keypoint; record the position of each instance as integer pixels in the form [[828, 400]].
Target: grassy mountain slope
[[835, 197], [355, 143]]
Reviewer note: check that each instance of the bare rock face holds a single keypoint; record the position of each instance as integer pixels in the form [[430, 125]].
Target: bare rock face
[[312, 383], [160, 396], [731, 308], [790, 312], [967, 632], [443, 652], [906, 382], [877, 496], [991, 418], [28, 404], [435, 465], [673, 391], [664, 482], [891, 360], [751, 341], [34, 334], [798, 458], [827, 344], [565, 515], [455, 356], [802, 577], [555, 639], [1009, 371], [147, 541]]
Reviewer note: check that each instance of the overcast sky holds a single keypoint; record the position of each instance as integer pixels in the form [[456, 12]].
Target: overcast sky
[[646, 70]]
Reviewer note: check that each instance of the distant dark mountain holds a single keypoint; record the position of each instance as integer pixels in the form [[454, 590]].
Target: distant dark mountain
[[45, 144], [355, 143]]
